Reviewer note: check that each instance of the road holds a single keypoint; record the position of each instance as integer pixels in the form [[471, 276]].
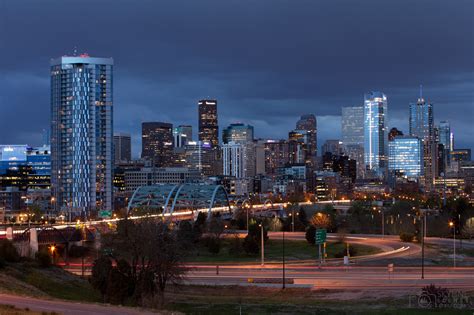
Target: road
[[64, 307], [364, 278]]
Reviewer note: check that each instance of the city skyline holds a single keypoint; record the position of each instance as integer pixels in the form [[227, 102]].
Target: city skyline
[[253, 87]]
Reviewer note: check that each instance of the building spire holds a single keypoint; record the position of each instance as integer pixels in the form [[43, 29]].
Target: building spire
[[421, 91]]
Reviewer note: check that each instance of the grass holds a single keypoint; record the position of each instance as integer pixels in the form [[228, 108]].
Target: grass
[[294, 250], [6, 309], [26, 278], [253, 300]]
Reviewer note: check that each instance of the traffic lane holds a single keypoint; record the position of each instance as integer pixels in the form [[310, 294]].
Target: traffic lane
[[64, 307]]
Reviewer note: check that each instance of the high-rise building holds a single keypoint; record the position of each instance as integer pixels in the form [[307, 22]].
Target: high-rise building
[[394, 132], [157, 143], [276, 155], [182, 135], [81, 134], [332, 146], [25, 167], [422, 126], [375, 133], [208, 125], [122, 147], [238, 159], [405, 157], [237, 133], [308, 123], [445, 135], [352, 123]]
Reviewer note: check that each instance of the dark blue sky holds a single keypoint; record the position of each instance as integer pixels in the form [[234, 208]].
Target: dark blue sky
[[266, 61]]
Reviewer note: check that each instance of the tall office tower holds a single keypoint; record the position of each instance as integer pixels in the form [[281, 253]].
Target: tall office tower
[[46, 136], [332, 146], [352, 130], [208, 125], [122, 147], [445, 137], [238, 159], [276, 155], [157, 143], [405, 157], [298, 147], [81, 134], [422, 126], [182, 135], [237, 133], [352, 123], [375, 133], [308, 123]]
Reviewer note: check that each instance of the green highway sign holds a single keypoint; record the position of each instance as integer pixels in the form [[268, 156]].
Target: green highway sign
[[320, 236], [105, 214]]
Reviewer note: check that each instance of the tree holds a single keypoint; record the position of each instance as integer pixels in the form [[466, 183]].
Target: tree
[[311, 234], [468, 229], [185, 234], [321, 220], [216, 227], [250, 245], [8, 251], [119, 283], [302, 217], [100, 275], [154, 263]]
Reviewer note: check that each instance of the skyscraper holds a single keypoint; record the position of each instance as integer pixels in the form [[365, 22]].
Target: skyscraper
[[157, 143], [238, 133], [308, 123], [352, 125], [182, 135], [352, 130], [445, 135], [238, 159], [122, 147], [422, 126], [405, 157], [375, 133], [208, 125], [81, 134]]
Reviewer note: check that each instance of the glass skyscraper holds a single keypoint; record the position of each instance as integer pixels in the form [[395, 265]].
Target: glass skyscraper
[[81, 134], [375, 133], [238, 133], [422, 126], [405, 157], [352, 125], [309, 123]]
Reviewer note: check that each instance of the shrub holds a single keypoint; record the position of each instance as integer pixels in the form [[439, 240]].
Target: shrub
[[213, 245], [8, 251], [235, 246], [43, 258], [311, 234], [251, 245], [406, 237]]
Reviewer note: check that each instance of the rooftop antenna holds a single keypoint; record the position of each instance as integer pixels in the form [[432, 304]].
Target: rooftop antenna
[[421, 91], [75, 51]]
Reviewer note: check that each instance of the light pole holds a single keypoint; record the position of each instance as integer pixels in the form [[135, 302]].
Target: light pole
[[423, 220], [247, 207], [284, 258], [292, 215], [262, 244], [453, 226]]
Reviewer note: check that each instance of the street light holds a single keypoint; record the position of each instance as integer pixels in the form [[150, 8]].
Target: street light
[[262, 244], [453, 226], [52, 248], [292, 220]]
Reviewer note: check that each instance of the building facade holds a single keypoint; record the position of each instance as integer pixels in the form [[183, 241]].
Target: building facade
[[208, 123], [375, 133], [405, 157], [122, 148], [309, 123], [238, 132], [81, 134], [157, 143]]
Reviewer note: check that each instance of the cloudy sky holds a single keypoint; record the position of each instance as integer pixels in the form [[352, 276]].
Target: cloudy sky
[[265, 61]]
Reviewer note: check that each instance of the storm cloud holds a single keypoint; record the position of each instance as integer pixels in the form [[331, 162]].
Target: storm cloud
[[265, 61]]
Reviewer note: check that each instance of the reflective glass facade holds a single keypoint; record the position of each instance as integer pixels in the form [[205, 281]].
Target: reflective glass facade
[[375, 132], [352, 125], [82, 133], [405, 157], [208, 125], [238, 133]]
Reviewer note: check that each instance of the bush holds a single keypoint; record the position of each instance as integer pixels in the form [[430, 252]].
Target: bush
[[251, 245], [43, 258], [407, 237], [213, 245], [311, 234], [235, 246], [8, 251]]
